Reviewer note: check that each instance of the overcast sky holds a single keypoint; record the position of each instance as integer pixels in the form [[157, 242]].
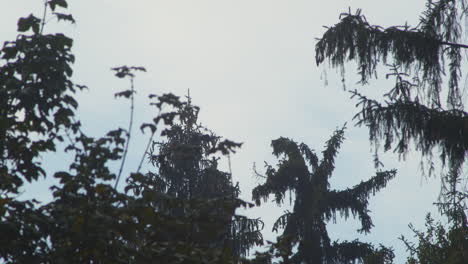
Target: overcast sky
[[250, 65]]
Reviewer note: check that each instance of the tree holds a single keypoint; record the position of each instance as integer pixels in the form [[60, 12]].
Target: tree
[[188, 171], [413, 111], [307, 179]]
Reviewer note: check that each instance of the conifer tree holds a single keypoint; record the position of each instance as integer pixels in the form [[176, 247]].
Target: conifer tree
[[306, 178], [187, 171], [426, 61]]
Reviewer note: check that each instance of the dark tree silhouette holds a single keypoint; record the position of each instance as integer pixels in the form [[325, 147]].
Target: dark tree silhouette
[[307, 179]]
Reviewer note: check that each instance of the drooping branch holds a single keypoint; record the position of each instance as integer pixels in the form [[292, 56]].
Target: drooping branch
[[347, 204], [353, 38], [441, 18], [406, 121], [420, 50], [291, 170], [353, 251]]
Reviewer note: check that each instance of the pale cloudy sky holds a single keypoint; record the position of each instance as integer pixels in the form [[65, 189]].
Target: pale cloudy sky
[[250, 65]]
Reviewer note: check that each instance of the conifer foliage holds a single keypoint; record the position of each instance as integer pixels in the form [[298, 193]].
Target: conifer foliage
[[306, 178], [422, 50]]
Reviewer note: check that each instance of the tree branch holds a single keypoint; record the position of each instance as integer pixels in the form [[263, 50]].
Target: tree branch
[[130, 125], [454, 44]]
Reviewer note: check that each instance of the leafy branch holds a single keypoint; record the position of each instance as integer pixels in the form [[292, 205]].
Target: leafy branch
[[123, 72]]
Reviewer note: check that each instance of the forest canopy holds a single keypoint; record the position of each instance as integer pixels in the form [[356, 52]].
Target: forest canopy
[[180, 204]]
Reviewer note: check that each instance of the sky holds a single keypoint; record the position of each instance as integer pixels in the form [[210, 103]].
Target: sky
[[250, 66]]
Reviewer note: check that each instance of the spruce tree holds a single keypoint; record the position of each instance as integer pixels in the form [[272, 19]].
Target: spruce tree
[[187, 171], [426, 62], [306, 178]]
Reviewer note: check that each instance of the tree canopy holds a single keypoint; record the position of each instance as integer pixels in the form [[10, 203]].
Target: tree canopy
[[184, 208]]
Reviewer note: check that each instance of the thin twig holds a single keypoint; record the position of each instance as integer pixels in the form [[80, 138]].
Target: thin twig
[[43, 17], [130, 125], [147, 147], [229, 164], [146, 151]]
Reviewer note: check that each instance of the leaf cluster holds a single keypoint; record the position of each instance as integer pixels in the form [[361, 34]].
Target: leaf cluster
[[36, 100]]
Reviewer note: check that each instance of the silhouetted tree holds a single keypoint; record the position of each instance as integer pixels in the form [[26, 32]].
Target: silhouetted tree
[[300, 173], [187, 170]]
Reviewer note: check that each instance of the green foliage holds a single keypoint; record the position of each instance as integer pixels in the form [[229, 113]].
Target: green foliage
[[300, 172]]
